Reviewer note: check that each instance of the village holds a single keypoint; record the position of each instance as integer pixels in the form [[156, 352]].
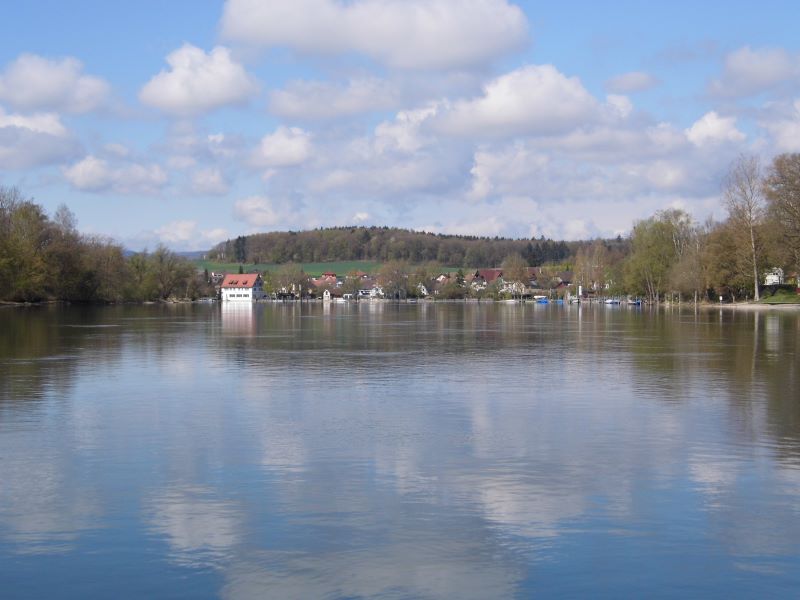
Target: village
[[489, 284], [480, 284]]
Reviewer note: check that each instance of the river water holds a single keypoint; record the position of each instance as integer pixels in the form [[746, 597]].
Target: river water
[[398, 451]]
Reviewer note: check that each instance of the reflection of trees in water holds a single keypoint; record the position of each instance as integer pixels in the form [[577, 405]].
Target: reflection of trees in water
[[744, 359], [37, 353], [311, 451]]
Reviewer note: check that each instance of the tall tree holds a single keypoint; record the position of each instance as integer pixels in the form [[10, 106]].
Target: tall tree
[[782, 189], [745, 203], [653, 252], [515, 273], [393, 278]]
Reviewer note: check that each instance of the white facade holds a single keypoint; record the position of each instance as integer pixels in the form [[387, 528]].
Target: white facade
[[774, 277], [242, 289]]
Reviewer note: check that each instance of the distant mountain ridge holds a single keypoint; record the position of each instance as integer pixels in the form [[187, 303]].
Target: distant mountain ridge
[[383, 244]]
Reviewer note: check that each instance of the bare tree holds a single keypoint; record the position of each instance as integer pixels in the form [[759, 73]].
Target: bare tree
[[515, 274], [745, 203]]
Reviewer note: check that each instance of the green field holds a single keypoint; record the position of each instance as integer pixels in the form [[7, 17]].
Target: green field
[[782, 297], [313, 269]]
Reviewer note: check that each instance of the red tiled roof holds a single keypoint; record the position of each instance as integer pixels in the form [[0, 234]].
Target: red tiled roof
[[489, 275], [247, 280]]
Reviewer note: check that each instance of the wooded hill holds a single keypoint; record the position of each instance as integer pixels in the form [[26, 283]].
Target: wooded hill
[[384, 244]]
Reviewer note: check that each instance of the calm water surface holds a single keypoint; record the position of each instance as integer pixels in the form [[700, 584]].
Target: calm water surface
[[384, 451]]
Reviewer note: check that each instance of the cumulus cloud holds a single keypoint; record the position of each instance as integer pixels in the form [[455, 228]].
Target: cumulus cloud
[[712, 128], [94, 174], [286, 147], [259, 211], [32, 82], [28, 141], [209, 182], [536, 99], [408, 34], [748, 71], [198, 82], [628, 83], [186, 233], [402, 134], [783, 125], [41, 123], [324, 100]]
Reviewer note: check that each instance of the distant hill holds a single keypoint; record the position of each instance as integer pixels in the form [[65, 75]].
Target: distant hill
[[385, 243]]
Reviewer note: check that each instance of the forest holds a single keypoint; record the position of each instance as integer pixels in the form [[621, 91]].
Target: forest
[[384, 244], [46, 258]]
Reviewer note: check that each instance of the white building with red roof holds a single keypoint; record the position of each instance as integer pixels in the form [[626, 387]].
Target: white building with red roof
[[247, 287]]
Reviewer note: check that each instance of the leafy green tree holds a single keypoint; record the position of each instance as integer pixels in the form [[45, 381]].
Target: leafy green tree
[[653, 252], [782, 189]]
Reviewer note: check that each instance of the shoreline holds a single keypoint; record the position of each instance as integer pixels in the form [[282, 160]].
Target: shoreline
[[752, 306], [736, 306]]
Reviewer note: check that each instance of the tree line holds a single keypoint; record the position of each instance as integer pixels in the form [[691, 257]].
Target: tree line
[[46, 258], [670, 253], [383, 244]]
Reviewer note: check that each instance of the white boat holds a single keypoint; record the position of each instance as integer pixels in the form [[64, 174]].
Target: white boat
[[612, 301]]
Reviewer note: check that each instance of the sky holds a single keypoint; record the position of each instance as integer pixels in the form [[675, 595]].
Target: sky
[[187, 123]]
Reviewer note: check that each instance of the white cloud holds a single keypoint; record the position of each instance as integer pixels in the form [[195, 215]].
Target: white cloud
[[28, 141], [94, 174], [628, 83], [32, 82], [514, 164], [41, 123], [286, 147], [712, 128], [749, 71], [361, 217], [535, 99], [186, 233], [116, 150], [618, 105], [408, 34], [403, 133], [324, 100], [197, 82], [784, 127], [209, 182], [259, 211]]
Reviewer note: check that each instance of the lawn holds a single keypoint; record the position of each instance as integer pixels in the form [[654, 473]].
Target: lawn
[[313, 269], [782, 297]]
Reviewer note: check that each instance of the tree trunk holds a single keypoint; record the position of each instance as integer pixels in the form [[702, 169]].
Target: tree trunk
[[755, 263]]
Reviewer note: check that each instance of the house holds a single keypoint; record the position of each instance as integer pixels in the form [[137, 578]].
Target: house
[[327, 279], [774, 276], [483, 277], [247, 287]]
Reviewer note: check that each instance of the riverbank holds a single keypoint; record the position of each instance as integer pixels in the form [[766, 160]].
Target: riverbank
[[754, 306]]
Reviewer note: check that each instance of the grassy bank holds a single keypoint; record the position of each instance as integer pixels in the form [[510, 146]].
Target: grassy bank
[[782, 297]]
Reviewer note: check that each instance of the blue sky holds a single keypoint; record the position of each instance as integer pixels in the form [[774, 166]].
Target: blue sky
[[187, 123]]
